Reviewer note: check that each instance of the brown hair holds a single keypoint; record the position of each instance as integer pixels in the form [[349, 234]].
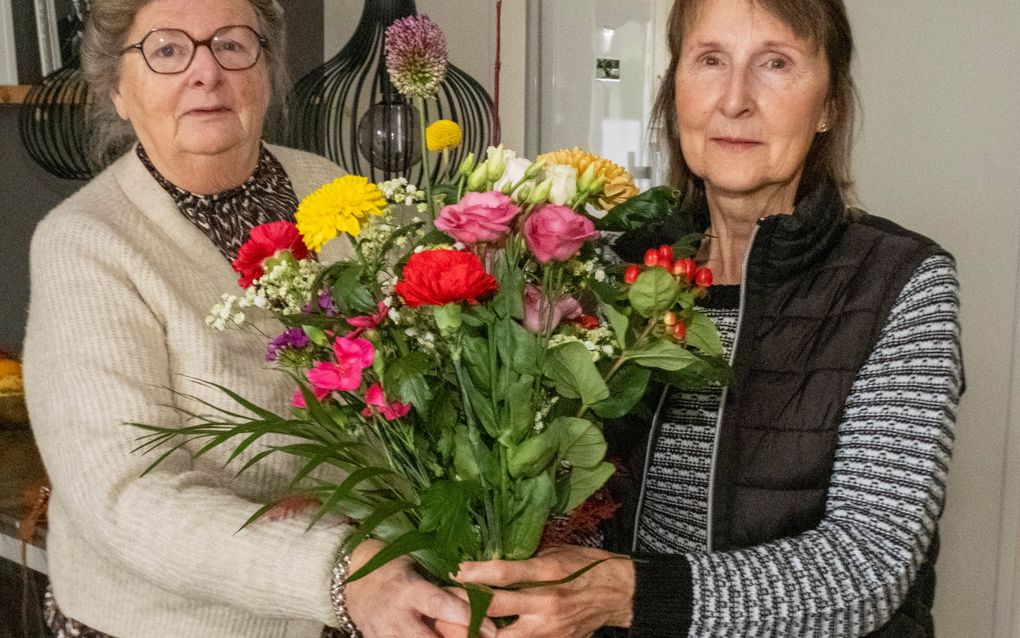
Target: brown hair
[[823, 22], [106, 30]]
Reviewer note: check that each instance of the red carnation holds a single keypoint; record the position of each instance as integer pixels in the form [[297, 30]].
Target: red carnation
[[439, 277], [267, 241]]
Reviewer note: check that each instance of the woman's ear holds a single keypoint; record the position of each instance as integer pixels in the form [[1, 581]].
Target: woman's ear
[[120, 104]]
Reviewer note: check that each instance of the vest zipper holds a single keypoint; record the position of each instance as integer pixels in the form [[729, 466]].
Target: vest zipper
[[725, 391], [644, 472]]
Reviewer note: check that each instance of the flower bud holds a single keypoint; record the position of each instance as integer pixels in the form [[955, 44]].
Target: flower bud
[[584, 182], [523, 194], [564, 183], [448, 318], [477, 178], [534, 169], [467, 165], [541, 192]]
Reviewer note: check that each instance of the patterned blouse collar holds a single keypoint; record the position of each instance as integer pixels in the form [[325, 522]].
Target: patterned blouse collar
[[227, 216]]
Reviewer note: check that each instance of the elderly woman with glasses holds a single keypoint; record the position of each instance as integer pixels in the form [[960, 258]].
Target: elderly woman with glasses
[[123, 275]]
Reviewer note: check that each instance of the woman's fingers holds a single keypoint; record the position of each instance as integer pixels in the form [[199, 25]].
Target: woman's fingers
[[501, 573]]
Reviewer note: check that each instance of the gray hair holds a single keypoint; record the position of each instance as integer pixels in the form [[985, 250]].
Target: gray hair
[[106, 30]]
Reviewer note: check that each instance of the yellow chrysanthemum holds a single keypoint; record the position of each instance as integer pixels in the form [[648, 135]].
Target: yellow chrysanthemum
[[338, 207], [442, 135], [619, 183]]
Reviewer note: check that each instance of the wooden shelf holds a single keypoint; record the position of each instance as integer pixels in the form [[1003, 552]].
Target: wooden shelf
[[13, 93]]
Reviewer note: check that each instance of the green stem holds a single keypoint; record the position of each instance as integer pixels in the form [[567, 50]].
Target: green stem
[[426, 170]]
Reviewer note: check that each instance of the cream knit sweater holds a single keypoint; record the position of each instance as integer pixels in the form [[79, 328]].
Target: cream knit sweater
[[121, 284]]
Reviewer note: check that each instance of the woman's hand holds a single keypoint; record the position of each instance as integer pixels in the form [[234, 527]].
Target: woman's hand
[[394, 601], [598, 598]]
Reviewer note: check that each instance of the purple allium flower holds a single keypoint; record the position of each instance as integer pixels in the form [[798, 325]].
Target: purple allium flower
[[291, 338], [416, 55]]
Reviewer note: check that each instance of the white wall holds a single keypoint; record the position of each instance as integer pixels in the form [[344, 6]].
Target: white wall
[[940, 153]]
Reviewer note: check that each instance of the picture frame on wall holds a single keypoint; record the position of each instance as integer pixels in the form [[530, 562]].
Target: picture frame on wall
[[48, 36], [8, 45]]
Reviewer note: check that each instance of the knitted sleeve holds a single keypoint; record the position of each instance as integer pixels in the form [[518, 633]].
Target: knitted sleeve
[[848, 575]]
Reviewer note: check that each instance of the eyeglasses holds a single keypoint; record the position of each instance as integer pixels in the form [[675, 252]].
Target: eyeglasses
[[235, 48]]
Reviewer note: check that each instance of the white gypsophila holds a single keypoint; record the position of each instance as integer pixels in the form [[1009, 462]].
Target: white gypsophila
[[286, 289], [224, 312], [399, 191], [543, 411]]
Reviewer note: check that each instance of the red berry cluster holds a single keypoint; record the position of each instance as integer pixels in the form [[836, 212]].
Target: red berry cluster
[[685, 271]]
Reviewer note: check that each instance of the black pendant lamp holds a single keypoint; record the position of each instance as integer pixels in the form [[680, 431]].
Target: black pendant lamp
[[348, 110]]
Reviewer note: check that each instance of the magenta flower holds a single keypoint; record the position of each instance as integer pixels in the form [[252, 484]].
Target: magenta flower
[[556, 233], [478, 217], [352, 356], [367, 322], [375, 398], [536, 305], [298, 400], [416, 55]]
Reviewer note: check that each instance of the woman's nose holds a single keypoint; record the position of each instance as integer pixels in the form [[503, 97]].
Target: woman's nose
[[737, 99], [204, 68]]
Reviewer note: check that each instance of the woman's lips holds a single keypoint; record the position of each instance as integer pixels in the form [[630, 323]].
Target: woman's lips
[[208, 111], [736, 143]]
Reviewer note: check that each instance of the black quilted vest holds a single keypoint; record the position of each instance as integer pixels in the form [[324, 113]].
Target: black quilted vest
[[819, 286]]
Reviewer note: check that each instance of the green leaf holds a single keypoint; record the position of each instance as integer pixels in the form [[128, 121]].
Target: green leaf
[[518, 347], [521, 405], [651, 206], [705, 371], [475, 355], [367, 525], [570, 367], [315, 335], [581, 443], [446, 510], [619, 323], [479, 597], [625, 389], [653, 293], [405, 380], [410, 542], [533, 500], [584, 482], [662, 354], [703, 335], [533, 455], [347, 288], [481, 405]]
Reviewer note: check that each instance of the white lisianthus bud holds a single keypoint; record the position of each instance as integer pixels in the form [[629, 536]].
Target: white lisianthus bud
[[515, 170], [496, 160], [564, 183], [541, 192], [477, 178], [584, 182]]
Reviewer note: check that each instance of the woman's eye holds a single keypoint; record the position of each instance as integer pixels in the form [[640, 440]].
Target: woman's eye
[[777, 63], [711, 60], [167, 51]]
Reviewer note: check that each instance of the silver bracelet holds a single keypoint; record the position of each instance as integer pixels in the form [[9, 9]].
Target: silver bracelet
[[337, 595]]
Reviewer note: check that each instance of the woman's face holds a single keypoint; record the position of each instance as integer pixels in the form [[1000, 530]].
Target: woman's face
[[205, 110], [750, 96]]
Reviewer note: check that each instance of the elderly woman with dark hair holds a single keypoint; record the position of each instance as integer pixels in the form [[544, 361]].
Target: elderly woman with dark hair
[[803, 498], [123, 275]]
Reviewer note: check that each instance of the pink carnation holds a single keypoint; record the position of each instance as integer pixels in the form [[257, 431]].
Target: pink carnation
[[478, 217], [556, 233], [375, 398], [352, 356]]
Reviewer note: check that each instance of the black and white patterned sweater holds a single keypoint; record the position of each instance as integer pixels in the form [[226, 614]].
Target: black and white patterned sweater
[[845, 577]]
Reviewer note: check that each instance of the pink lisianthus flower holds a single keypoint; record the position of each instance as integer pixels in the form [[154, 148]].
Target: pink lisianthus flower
[[537, 305], [352, 356], [556, 233], [478, 217], [375, 398]]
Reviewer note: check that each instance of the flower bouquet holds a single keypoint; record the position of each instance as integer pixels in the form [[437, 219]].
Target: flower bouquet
[[458, 369]]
